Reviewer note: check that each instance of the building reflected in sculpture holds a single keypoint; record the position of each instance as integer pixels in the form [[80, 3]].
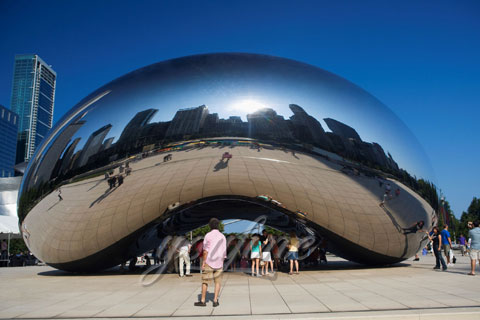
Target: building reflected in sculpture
[[170, 172]]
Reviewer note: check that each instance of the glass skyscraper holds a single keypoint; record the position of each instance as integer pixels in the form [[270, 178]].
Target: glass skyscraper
[[33, 97], [8, 141]]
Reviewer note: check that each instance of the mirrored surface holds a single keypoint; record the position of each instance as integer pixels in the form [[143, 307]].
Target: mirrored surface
[[164, 148]]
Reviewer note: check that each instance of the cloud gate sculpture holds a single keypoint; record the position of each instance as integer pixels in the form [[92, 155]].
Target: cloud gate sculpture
[[162, 149]]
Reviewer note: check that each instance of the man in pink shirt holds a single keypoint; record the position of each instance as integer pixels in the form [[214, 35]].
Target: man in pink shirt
[[214, 252]]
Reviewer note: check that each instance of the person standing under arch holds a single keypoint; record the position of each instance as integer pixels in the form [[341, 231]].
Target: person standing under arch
[[293, 252]]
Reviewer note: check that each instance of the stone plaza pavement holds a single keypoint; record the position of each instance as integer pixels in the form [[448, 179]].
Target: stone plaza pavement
[[410, 290]]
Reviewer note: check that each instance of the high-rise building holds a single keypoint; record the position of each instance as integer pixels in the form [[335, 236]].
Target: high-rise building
[[133, 127], [307, 126], [93, 145], [8, 141], [52, 155], [188, 121], [342, 129], [267, 124], [33, 97]]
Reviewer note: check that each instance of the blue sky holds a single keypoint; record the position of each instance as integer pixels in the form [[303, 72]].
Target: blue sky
[[419, 58]]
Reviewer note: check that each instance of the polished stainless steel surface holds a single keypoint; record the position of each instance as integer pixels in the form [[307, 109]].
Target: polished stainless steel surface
[[163, 148]]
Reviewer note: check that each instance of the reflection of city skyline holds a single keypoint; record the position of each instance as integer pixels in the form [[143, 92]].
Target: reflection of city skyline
[[197, 123]]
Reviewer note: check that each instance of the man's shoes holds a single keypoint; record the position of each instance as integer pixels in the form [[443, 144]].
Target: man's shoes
[[188, 275], [200, 304], [444, 269], [216, 303], [436, 268], [416, 259]]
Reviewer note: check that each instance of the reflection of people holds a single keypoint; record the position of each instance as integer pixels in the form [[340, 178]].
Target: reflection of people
[[388, 190], [60, 194], [214, 253], [474, 235], [415, 228], [385, 196], [120, 179], [112, 181], [227, 156]]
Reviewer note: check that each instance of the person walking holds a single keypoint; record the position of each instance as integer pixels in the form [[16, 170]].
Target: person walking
[[184, 257], [436, 239], [293, 252], [474, 235], [447, 243], [463, 247], [255, 253], [214, 253]]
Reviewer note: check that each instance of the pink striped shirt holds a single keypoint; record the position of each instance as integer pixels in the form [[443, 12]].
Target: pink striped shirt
[[216, 246]]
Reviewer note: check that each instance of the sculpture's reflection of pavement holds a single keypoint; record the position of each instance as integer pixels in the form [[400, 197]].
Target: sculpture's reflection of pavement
[[34, 292], [347, 205]]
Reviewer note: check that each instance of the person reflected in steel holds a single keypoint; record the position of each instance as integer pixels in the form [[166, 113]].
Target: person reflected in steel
[[60, 194], [293, 252], [415, 228], [397, 192], [214, 253], [436, 239]]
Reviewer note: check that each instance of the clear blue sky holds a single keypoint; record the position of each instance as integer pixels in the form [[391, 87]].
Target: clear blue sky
[[420, 58]]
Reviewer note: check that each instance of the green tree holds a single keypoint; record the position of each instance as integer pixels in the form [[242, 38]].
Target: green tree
[[202, 231], [274, 231], [17, 246], [472, 214]]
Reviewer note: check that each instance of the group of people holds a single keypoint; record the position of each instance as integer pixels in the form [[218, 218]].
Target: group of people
[[215, 252], [113, 179], [258, 255], [18, 259], [387, 195], [261, 248], [441, 241]]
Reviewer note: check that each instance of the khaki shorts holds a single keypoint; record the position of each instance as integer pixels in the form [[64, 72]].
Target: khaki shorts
[[474, 254], [210, 274], [446, 249]]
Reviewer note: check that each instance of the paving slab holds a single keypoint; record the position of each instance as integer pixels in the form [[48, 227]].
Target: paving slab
[[341, 289]]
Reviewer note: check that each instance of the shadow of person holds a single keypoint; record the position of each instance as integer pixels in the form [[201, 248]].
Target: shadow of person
[[220, 165], [103, 196], [53, 206], [208, 297], [99, 181]]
